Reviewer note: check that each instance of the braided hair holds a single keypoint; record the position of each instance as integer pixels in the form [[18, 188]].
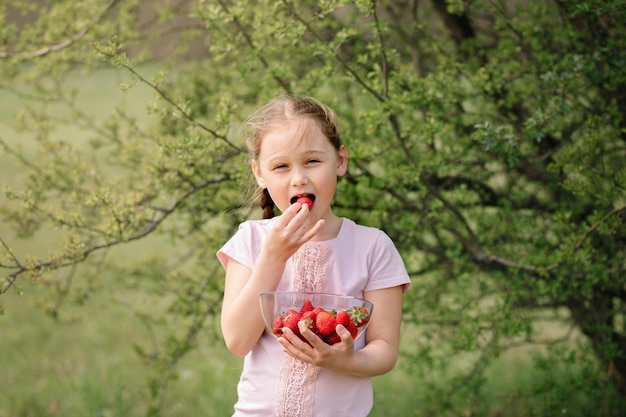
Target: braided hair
[[267, 204]]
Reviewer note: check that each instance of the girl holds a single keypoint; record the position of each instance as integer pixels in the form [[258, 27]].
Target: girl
[[296, 152]]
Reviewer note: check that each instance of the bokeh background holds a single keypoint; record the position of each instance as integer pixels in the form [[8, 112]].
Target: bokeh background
[[487, 138]]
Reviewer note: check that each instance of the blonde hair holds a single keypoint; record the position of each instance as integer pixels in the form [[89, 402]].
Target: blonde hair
[[283, 109]]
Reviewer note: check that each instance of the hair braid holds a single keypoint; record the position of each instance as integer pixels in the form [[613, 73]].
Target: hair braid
[[267, 204]]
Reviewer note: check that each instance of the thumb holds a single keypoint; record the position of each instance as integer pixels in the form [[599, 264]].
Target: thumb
[[344, 334]]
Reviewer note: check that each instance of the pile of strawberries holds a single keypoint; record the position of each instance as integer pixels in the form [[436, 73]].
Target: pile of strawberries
[[321, 322]]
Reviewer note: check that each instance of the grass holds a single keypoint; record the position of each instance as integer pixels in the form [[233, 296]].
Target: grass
[[84, 364], [60, 368], [87, 367]]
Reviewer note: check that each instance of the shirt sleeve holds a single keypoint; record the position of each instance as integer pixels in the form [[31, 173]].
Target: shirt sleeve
[[386, 267], [238, 247]]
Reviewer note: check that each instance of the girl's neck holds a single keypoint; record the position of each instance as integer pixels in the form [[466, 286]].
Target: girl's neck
[[330, 230]]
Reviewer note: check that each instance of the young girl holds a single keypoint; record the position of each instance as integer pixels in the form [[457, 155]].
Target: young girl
[[296, 151]]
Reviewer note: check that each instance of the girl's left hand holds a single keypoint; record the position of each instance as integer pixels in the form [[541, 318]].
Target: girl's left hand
[[318, 352]]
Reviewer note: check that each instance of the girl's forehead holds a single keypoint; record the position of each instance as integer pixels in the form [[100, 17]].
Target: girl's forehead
[[292, 134]]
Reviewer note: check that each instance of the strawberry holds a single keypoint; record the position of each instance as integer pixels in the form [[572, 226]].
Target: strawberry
[[343, 318], [307, 306], [352, 329], [277, 326], [292, 317], [309, 315], [308, 322], [290, 312], [325, 323], [305, 200], [332, 338], [359, 315], [321, 322]]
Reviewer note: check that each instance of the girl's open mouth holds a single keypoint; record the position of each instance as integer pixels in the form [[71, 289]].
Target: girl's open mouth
[[307, 199]]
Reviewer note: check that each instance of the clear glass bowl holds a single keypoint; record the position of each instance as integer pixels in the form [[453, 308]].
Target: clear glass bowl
[[277, 304]]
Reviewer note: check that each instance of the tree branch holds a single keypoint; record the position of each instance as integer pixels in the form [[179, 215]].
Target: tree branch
[[185, 116], [66, 260], [64, 44], [574, 248], [383, 55], [284, 84], [341, 61], [473, 246]]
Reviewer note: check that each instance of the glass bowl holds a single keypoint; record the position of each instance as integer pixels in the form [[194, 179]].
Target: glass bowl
[[287, 308]]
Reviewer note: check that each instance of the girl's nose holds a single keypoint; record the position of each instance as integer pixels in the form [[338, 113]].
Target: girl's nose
[[298, 177]]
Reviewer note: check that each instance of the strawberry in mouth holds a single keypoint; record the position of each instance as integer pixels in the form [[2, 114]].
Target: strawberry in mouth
[[307, 199]]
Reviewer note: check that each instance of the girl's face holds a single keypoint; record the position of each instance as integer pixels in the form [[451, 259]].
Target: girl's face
[[296, 160]]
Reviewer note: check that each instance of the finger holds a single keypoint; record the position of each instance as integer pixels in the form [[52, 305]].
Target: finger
[[345, 335], [291, 224], [294, 346], [314, 340], [294, 217], [302, 207], [302, 211], [289, 214], [299, 226], [285, 341], [293, 339], [287, 333]]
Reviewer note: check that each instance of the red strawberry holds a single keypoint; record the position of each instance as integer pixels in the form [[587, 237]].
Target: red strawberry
[[308, 322], [292, 317], [310, 314], [290, 312], [277, 326], [307, 306], [359, 315], [343, 318], [352, 329], [325, 323], [305, 200], [332, 338], [309, 317]]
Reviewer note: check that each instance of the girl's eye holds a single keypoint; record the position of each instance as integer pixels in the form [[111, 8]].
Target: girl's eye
[[312, 161], [280, 166]]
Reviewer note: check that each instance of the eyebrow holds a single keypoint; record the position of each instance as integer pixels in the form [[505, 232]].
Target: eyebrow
[[307, 153]]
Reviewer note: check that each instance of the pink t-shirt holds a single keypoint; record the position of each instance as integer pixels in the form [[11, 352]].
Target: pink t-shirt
[[273, 383]]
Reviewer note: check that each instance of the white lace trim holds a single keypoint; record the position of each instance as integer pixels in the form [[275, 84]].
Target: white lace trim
[[310, 267], [296, 386]]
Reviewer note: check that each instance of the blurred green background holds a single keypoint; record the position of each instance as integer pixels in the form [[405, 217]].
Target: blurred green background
[[115, 345], [84, 364]]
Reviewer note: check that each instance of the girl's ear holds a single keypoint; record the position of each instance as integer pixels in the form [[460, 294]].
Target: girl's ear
[[256, 170], [342, 161]]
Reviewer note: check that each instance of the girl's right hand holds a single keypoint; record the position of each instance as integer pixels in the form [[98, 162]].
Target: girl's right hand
[[290, 231]]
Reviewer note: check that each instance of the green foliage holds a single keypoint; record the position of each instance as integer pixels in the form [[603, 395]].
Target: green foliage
[[487, 138]]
